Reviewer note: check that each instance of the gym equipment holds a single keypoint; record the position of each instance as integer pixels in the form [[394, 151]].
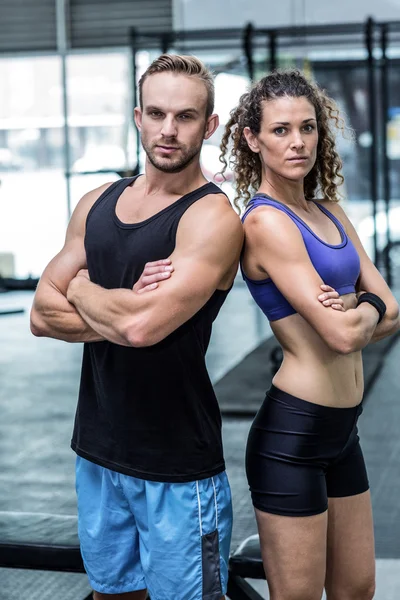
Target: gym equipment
[[245, 563]]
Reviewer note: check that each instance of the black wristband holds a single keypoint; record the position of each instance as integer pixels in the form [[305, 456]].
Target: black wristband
[[375, 301]]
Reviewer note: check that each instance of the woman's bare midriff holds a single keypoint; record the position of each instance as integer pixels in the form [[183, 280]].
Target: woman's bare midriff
[[312, 371]]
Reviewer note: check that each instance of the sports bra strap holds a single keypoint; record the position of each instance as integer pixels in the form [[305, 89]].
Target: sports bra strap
[[266, 201]]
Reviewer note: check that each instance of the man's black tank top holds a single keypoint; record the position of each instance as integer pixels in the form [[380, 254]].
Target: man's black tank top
[[147, 412]]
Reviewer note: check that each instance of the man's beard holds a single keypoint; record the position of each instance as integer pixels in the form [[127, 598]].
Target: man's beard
[[176, 165]]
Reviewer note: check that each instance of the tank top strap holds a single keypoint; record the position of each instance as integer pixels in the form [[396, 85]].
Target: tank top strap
[[208, 188], [264, 200], [114, 191], [111, 194]]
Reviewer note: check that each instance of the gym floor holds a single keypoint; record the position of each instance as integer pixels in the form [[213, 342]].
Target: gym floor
[[39, 382]]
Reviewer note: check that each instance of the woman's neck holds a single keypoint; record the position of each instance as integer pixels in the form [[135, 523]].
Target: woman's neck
[[287, 192]]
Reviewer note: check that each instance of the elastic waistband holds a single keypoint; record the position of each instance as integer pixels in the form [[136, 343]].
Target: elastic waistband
[[316, 409]]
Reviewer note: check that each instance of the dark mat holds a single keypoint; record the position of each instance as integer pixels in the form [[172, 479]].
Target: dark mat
[[18, 584], [379, 427], [241, 391]]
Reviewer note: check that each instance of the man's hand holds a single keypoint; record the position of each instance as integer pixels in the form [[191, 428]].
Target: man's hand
[[153, 273], [331, 298]]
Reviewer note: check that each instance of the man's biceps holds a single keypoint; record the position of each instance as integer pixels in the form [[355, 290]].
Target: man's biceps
[[51, 283], [204, 267], [59, 274], [188, 290]]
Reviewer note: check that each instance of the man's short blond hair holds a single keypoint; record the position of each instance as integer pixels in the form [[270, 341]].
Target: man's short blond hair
[[184, 65]]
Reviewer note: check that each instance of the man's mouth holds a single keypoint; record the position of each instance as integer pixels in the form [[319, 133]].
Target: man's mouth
[[168, 149]]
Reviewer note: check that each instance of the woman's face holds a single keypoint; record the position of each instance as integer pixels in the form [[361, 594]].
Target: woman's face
[[287, 142]]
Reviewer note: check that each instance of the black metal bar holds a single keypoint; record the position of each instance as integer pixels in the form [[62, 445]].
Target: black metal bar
[[272, 49], [11, 311], [239, 589], [216, 43], [234, 33], [385, 156], [204, 35], [133, 39], [393, 25], [372, 111], [247, 44], [166, 41]]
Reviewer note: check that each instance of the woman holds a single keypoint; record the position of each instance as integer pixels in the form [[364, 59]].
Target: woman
[[304, 462]]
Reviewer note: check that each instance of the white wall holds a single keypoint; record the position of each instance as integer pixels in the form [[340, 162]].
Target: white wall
[[211, 14]]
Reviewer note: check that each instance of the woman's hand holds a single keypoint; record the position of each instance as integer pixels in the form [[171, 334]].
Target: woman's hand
[[331, 298]]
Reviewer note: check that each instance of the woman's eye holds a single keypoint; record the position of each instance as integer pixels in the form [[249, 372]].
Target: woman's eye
[[280, 130], [309, 128]]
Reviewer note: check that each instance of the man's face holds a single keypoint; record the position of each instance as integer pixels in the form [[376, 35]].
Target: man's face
[[173, 121]]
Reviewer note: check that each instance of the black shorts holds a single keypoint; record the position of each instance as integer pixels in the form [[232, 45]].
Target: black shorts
[[299, 454]]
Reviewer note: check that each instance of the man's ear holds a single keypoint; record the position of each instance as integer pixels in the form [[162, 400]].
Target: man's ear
[[251, 140], [138, 117], [211, 126]]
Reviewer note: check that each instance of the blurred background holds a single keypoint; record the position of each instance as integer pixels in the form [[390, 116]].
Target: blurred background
[[68, 75], [68, 70]]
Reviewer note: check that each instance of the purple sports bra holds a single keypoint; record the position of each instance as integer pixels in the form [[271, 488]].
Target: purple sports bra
[[338, 265]]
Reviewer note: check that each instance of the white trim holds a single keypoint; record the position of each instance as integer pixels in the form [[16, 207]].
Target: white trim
[[199, 505], [216, 505]]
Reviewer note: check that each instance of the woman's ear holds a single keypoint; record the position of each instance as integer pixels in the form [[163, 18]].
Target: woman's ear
[[251, 140]]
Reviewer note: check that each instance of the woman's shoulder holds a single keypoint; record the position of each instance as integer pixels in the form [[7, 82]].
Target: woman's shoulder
[[270, 228], [336, 208], [265, 216]]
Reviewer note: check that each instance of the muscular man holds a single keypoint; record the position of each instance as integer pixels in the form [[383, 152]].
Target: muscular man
[[154, 503]]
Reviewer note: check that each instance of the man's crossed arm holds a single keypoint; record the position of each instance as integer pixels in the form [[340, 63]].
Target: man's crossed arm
[[68, 306], [208, 245]]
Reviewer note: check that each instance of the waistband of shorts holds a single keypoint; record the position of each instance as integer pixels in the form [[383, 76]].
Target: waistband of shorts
[[311, 407]]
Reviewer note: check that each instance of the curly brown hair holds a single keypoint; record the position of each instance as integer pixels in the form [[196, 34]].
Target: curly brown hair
[[325, 176]]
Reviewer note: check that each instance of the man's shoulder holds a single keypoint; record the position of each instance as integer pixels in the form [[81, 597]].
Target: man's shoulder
[[90, 198], [96, 193], [211, 219], [214, 205], [83, 208]]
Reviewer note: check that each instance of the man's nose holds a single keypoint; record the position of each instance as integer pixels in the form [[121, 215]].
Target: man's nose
[[169, 127]]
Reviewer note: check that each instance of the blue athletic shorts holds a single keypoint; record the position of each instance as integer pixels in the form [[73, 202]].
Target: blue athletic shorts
[[171, 538]]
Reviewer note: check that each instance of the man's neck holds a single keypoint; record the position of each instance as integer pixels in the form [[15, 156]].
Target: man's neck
[[174, 184]]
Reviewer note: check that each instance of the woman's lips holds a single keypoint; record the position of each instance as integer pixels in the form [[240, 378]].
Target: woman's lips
[[298, 159]]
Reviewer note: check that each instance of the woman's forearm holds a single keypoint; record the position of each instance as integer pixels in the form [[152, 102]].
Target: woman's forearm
[[360, 327], [386, 328], [390, 323]]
